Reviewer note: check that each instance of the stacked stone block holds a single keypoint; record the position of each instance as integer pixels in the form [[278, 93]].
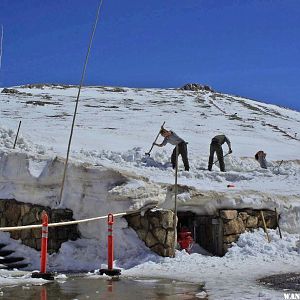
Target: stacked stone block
[[236, 222], [14, 213], [156, 229]]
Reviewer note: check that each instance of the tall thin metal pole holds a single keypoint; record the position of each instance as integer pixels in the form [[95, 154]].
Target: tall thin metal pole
[[16, 138], [1, 43], [175, 201], [77, 100]]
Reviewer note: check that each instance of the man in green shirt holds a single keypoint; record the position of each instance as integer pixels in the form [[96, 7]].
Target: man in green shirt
[[216, 146]]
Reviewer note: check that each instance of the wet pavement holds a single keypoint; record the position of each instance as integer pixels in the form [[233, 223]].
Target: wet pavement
[[288, 281], [96, 287]]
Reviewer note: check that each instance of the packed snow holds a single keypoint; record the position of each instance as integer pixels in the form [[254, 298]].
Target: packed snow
[[114, 129]]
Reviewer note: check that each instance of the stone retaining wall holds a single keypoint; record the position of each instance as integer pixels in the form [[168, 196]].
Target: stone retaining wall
[[215, 233], [156, 229], [14, 213], [235, 222]]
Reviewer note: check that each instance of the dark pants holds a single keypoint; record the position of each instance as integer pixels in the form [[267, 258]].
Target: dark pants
[[215, 147], [182, 150], [262, 161]]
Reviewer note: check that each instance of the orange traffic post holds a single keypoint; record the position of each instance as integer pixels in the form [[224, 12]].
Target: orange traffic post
[[44, 250], [110, 271], [44, 243], [110, 242]]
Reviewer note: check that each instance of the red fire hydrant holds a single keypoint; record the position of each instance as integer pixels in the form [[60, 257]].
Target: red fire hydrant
[[185, 239]]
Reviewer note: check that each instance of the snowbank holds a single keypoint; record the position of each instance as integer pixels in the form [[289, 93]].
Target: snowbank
[[234, 275]]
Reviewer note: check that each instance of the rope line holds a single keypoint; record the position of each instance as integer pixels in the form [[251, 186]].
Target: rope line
[[63, 223], [77, 100]]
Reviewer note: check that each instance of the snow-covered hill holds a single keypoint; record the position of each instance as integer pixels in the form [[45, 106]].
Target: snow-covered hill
[[121, 119], [115, 127]]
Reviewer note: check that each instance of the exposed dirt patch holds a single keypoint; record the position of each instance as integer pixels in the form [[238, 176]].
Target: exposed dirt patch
[[289, 281]]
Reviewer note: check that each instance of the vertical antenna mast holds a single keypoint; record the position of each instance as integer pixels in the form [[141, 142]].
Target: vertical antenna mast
[[77, 100], [1, 42]]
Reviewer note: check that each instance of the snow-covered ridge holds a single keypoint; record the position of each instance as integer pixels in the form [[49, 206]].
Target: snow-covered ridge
[[130, 118], [115, 127]]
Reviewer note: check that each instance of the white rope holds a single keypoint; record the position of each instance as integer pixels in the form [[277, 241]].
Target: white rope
[[63, 223]]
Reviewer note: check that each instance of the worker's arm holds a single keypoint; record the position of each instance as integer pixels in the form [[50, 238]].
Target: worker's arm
[[228, 144], [164, 142]]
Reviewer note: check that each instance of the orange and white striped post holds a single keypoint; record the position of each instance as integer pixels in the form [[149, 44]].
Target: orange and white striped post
[[44, 250], [110, 249], [110, 242], [44, 243]]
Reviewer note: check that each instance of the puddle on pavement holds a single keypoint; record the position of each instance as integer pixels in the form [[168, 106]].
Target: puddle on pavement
[[80, 288]]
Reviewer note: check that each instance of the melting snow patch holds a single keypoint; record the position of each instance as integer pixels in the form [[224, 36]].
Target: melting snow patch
[[254, 244], [36, 167], [184, 197], [201, 295]]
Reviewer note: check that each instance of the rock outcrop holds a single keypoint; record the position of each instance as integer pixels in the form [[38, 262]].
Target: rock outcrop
[[14, 92], [196, 87]]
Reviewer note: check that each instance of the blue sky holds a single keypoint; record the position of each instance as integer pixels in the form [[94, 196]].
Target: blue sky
[[247, 47]]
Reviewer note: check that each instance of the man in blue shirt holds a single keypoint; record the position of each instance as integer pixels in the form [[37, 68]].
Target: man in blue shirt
[[172, 138]]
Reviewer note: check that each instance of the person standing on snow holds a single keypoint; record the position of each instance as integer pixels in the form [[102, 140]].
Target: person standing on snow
[[172, 138], [216, 146]]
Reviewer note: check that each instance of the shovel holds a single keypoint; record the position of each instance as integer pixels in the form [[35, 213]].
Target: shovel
[[223, 157], [162, 126], [276, 168]]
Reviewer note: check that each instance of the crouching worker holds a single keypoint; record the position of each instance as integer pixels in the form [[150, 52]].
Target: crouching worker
[[260, 156], [172, 138]]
